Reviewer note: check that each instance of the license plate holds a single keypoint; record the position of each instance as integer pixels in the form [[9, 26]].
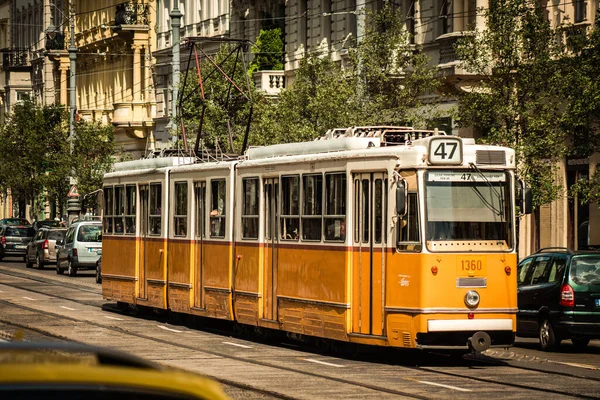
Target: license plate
[[470, 266], [597, 302], [21, 246]]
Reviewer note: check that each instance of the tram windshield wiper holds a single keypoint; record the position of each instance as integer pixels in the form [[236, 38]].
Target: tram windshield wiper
[[486, 202]]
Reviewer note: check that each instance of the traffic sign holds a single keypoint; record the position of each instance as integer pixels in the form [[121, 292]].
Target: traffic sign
[[73, 192]]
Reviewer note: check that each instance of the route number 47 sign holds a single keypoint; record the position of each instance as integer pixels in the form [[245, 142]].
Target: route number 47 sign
[[445, 150]]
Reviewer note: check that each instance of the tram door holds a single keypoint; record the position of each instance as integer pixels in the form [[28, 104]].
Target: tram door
[[369, 221], [143, 251], [271, 207]]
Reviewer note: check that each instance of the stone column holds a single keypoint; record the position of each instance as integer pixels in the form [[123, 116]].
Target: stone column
[[63, 68], [137, 72]]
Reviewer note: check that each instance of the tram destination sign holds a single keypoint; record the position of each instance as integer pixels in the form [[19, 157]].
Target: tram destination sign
[[465, 176]]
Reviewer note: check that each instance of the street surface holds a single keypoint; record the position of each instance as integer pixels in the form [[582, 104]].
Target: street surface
[[41, 305]]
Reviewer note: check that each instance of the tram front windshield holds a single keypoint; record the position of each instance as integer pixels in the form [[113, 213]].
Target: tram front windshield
[[467, 206]]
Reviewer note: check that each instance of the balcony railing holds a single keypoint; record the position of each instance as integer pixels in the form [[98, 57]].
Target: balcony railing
[[447, 51], [15, 57], [131, 13], [270, 82]]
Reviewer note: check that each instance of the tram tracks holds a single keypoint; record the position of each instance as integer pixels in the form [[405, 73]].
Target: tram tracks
[[416, 371]]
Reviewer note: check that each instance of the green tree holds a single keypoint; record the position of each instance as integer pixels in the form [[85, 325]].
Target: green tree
[[268, 51], [32, 152], [535, 91]]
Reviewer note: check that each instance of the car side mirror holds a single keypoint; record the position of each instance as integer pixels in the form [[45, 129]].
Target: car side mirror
[[401, 197], [525, 200]]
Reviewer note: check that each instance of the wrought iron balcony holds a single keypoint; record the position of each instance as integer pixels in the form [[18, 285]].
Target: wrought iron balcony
[[131, 13], [447, 51], [14, 57]]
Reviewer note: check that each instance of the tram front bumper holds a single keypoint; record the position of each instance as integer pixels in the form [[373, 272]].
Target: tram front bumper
[[473, 334]]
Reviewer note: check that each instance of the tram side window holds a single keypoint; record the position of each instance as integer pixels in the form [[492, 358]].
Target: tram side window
[[109, 209], [335, 207], [200, 193], [130, 201], [312, 210], [290, 207], [409, 238], [380, 210], [181, 208], [119, 209], [250, 208], [217, 215], [155, 208]]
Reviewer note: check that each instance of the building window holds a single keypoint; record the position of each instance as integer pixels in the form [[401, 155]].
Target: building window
[[130, 201], [312, 210], [218, 213], [22, 96], [580, 10], [445, 15], [154, 217], [290, 209], [181, 209], [250, 208], [335, 207]]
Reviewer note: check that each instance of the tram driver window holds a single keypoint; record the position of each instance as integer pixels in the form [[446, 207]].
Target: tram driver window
[[181, 209], [155, 216], [217, 215], [109, 209], [290, 208], [409, 238], [130, 197], [119, 209]]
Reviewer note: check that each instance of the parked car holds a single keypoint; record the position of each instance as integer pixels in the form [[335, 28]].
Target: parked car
[[99, 269], [80, 248], [559, 297], [32, 370], [14, 221], [42, 249], [48, 223], [14, 239]]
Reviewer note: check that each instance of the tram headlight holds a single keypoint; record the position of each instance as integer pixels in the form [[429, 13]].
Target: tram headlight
[[472, 299]]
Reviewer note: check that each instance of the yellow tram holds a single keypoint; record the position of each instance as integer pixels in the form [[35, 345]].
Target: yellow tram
[[386, 236]]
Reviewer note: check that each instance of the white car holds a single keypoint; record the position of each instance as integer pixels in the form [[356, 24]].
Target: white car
[[80, 248]]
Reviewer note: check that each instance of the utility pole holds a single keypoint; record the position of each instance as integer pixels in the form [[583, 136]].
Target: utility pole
[[175, 26], [72, 79]]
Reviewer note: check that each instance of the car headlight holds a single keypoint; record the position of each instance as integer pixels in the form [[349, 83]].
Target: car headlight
[[472, 299]]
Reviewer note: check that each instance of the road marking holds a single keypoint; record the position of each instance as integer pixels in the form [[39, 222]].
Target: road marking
[[28, 298], [440, 385], [586, 366], [323, 362], [115, 318], [238, 345], [168, 329], [68, 308]]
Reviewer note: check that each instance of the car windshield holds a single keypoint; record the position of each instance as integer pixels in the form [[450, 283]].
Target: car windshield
[[19, 232], [585, 270], [89, 233], [14, 221], [47, 223]]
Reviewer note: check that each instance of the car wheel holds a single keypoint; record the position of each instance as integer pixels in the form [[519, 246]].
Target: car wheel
[[38, 262], [27, 262], [59, 270], [71, 269], [580, 343], [548, 339]]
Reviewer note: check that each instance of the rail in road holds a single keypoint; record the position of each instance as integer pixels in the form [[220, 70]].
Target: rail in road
[[61, 308]]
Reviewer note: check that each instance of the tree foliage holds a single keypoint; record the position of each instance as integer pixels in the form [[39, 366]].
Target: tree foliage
[[268, 51], [528, 96], [35, 158]]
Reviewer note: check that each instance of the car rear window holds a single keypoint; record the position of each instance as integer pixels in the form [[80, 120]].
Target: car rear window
[[89, 233], [585, 270], [55, 235], [19, 232]]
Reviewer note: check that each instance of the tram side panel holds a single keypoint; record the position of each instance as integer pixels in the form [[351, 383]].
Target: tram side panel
[[248, 273], [118, 268]]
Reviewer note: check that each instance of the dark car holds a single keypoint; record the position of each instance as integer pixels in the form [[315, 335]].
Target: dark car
[[14, 239], [14, 221], [47, 223], [42, 249], [559, 297]]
